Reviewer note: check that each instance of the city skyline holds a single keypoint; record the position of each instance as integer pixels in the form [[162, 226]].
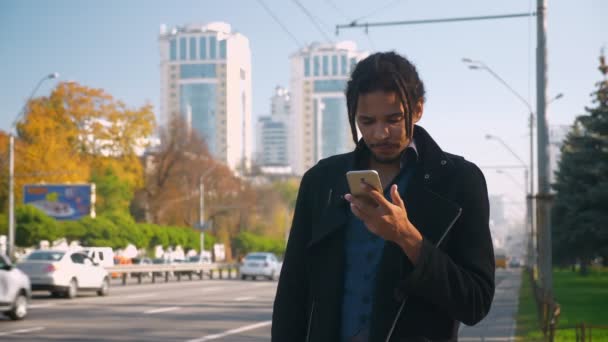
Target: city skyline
[[114, 46]]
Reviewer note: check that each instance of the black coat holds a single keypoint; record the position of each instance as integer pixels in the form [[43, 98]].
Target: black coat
[[446, 200]]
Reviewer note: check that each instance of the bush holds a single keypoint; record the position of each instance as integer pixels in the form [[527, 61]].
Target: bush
[[246, 242]]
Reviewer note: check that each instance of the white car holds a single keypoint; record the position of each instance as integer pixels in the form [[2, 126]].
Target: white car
[[64, 273], [260, 264], [15, 290]]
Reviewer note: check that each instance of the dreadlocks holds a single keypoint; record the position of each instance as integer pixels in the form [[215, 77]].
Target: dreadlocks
[[387, 72]]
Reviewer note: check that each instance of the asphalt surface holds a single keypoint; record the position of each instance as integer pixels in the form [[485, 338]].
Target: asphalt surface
[[208, 310]]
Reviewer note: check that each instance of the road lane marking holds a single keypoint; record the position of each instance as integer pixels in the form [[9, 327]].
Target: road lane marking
[[242, 299], [40, 306], [232, 332], [21, 331], [154, 311]]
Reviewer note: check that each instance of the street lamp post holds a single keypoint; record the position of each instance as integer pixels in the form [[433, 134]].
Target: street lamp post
[[480, 65], [11, 169]]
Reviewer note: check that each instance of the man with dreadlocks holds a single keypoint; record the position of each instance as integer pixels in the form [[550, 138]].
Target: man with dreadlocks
[[409, 265]]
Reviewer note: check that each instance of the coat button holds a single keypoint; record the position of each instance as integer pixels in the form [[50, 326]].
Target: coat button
[[427, 176], [398, 295], [443, 162]]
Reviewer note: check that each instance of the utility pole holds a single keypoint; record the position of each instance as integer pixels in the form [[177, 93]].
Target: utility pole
[[543, 199], [201, 212]]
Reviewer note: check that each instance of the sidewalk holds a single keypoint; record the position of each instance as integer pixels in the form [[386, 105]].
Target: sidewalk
[[499, 325]]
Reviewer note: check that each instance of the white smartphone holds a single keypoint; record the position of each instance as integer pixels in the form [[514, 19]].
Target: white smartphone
[[370, 177]]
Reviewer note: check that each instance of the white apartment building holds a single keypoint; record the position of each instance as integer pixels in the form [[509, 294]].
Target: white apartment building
[[272, 132], [205, 75], [319, 125]]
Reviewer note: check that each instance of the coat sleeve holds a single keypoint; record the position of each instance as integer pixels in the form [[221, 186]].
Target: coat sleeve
[[461, 279], [289, 316]]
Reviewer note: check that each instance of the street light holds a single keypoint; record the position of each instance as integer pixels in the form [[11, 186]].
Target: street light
[[480, 65], [11, 168]]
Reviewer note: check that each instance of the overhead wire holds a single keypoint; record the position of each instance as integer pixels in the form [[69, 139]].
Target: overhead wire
[[278, 21], [313, 20]]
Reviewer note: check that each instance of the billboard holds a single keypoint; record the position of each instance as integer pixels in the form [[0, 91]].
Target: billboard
[[62, 201]]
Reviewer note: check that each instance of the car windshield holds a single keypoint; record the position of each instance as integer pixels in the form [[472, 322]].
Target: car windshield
[[46, 256], [255, 257]]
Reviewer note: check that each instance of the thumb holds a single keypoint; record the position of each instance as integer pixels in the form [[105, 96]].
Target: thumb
[[396, 197]]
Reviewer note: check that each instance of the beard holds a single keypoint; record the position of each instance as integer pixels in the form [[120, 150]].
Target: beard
[[386, 160]]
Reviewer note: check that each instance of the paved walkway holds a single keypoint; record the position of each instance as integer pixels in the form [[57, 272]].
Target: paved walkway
[[499, 325]]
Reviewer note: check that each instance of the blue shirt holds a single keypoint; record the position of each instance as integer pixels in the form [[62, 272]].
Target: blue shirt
[[363, 253]]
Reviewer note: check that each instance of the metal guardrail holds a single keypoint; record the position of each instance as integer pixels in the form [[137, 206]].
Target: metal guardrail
[[175, 270]]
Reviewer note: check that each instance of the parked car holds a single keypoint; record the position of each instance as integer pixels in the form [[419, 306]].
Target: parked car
[[161, 261], [260, 264], [15, 290], [64, 273], [142, 262], [120, 260], [200, 260]]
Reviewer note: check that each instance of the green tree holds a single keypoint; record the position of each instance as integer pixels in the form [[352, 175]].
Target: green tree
[[33, 225], [113, 194], [580, 213]]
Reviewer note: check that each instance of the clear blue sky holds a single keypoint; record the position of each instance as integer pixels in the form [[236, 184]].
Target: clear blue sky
[[113, 45]]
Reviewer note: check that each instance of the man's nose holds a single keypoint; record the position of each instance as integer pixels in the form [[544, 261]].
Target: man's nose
[[381, 132]]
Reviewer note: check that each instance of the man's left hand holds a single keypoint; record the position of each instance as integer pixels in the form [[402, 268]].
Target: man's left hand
[[387, 220]]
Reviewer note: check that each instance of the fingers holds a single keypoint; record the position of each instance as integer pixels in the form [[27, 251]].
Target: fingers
[[396, 197], [374, 194]]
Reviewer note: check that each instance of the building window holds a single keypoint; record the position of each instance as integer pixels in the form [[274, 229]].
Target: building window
[[223, 49], [307, 66], [316, 66], [173, 67], [327, 86], [353, 63], [192, 48], [212, 47], [202, 44], [182, 49], [325, 65], [334, 65], [173, 49], [197, 71], [344, 65]]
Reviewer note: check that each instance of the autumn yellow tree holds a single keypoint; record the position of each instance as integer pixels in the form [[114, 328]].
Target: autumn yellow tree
[[62, 138]]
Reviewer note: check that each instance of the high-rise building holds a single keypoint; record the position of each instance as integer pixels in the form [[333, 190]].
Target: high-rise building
[[319, 123], [205, 75], [272, 133]]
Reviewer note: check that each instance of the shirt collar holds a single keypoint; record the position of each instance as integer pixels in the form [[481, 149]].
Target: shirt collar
[[409, 154]]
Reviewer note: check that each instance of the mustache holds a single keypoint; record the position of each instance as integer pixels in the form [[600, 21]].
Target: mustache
[[383, 144]]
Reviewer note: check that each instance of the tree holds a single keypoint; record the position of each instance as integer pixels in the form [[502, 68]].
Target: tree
[[112, 193], [61, 138], [580, 213]]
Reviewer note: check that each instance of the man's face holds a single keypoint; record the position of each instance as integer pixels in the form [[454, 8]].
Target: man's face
[[381, 121]]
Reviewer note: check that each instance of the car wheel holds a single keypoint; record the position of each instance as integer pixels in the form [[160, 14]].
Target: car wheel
[[56, 294], [271, 276], [254, 277], [104, 290], [243, 277], [19, 310], [72, 290]]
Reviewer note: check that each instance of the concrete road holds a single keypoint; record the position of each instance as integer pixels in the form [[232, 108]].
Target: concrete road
[[218, 310]]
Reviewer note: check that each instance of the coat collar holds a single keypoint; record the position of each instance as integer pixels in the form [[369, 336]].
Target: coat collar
[[421, 197]]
